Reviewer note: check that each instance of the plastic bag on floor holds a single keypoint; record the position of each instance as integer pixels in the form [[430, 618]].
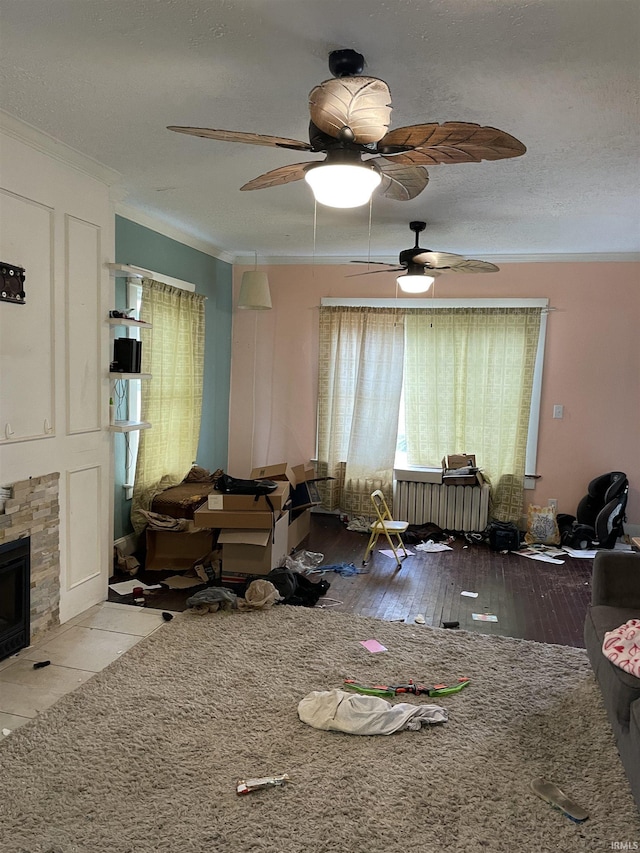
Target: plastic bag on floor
[[346, 570], [303, 561], [359, 524]]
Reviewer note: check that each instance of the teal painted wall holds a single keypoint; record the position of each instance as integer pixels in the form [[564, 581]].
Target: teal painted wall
[[146, 248]]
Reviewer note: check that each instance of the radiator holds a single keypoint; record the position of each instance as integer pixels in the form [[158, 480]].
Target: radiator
[[460, 508]]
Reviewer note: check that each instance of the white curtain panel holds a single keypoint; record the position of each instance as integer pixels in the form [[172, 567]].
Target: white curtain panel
[[468, 382], [360, 383]]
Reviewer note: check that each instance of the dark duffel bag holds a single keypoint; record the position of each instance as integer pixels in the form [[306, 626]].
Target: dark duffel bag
[[503, 536], [235, 486]]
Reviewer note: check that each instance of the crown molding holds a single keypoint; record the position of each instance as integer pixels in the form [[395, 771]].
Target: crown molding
[[561, 258], [172, 231], [337, 260], [46, 144]]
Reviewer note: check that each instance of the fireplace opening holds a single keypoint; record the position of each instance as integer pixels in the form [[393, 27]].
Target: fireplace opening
[[14, 596]]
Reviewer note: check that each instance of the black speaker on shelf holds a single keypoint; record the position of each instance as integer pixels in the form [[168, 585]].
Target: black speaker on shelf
[[127, 355]]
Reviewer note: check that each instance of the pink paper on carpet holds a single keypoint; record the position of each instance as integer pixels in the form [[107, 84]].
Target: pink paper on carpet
[[373, 646]]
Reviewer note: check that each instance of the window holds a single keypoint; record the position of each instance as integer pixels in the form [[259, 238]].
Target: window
[[534, 415], [486, 358]]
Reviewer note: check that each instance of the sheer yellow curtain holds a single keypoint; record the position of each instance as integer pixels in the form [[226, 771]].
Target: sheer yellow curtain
[[467, 386], [173, 353], [360, 382]]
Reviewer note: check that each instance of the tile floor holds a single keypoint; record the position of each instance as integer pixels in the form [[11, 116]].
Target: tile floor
[[77, 650]]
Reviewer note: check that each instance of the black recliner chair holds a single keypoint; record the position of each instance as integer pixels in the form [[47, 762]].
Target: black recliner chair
[[600, 515]]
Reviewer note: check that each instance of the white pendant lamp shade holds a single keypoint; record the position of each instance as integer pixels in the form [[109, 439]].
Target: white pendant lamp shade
[[342, 184], [415, 283], [254, 291]]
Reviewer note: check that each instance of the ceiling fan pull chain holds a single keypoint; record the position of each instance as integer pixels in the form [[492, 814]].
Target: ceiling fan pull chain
[[315, 226], [369, 248]]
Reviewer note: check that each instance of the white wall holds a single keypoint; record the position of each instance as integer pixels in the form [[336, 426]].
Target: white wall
[[56, 220]]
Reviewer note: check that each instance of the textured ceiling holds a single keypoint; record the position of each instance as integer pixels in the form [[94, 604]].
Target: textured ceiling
[[107, 76]]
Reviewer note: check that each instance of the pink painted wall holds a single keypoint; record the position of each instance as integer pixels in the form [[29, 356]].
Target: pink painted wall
[[592, 367]]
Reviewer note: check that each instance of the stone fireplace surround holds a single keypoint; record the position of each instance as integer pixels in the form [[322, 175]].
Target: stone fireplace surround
[[33, 510]]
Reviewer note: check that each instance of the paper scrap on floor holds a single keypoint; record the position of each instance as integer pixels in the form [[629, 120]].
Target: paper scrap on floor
[[469, 594], [433, 546], [484, 617], [586, 554], [127, 587], [539, 555], [389, 553], [373, 646], [182, 581]]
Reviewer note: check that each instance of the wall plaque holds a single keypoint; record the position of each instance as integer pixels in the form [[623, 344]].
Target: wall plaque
[[12, 283]]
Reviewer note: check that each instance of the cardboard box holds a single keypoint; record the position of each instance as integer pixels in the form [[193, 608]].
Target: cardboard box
[[305, 495], [459, 460], [251, 503], [281, 471], [299, 527], [463, 479], [303, 472], [306, 492], [417, 474], [254, 552], [236, 580], [176, 549], [205, 517]]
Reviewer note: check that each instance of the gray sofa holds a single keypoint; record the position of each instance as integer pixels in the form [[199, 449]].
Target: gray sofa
[[615, 598]]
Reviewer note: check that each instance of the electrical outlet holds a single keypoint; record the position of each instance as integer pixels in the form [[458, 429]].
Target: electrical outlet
[[558, 411], [553, 503]]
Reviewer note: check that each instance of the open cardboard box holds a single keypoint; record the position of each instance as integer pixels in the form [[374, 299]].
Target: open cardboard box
[[302, 479], [247, 551], [459, 460], [306, 492], [176, 549], [242, 561], [280, 471], [475, 479], [299, 527], [456, 461], [251, 503], [222, 518]]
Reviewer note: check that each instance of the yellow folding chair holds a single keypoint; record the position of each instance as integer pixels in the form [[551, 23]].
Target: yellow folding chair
[[385, 525]]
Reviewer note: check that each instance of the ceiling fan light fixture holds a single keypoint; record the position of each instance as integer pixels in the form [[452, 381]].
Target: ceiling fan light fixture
[[343, 184], [254, 291], [415, 283]]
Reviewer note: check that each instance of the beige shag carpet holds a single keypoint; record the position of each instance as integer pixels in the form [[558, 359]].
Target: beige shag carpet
[[145, 757]]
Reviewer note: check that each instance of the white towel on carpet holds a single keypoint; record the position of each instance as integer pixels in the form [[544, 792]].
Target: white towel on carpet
[[339, 711]]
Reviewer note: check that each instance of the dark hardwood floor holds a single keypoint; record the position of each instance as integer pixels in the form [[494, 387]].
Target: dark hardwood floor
[[532, 600]]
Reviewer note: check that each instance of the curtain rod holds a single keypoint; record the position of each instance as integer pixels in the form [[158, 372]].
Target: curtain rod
[[360, 302], [132, 271]]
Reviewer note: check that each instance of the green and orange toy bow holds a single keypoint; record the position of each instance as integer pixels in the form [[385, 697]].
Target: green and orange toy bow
[[415, 689]]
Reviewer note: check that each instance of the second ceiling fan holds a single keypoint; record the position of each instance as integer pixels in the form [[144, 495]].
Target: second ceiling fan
[[420, 266]]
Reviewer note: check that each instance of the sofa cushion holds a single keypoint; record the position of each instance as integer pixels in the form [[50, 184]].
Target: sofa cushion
[[618, 687], [622, 646], [634, 723], [630, 753]]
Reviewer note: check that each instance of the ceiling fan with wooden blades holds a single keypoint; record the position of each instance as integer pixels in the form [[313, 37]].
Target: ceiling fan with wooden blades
[[350, 117], [421, 266]]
